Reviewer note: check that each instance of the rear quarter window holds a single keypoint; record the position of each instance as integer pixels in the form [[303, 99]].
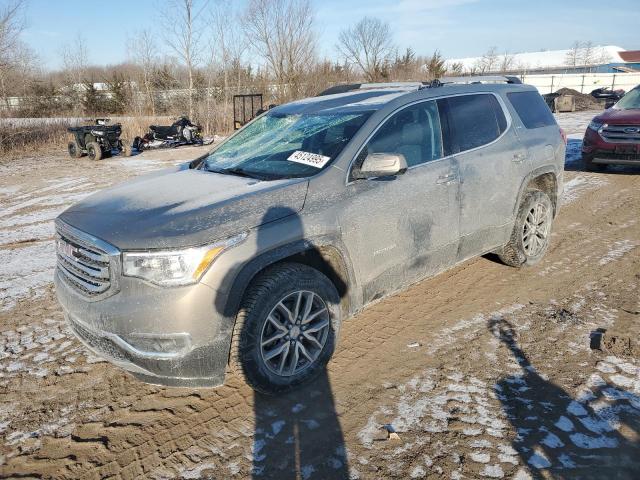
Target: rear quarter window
[[473, 121], [531, 109]]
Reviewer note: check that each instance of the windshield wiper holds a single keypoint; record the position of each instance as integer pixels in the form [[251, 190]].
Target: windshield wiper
[[239, 172]]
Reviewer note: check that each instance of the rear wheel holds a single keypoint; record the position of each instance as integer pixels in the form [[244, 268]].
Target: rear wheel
[[286, 329], [74, 150], [531, 232], [94, 152]]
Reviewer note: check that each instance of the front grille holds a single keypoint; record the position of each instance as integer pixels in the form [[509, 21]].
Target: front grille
[[621, 133], [82, 264]]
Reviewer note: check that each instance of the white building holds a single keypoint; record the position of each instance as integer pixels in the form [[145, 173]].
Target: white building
[[596, 59]]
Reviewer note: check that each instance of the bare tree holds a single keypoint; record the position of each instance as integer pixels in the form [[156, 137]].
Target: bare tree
[[75, 58], [228, 47], [489, 61], [183, 27], [11, 49], [573, 54], [506, 62], [367, 44], [455, 68], [282, 34], [11, 26], [587, 54], [146, 55]]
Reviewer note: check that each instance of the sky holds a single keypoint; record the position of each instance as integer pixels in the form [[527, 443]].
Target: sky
[[457, 28]]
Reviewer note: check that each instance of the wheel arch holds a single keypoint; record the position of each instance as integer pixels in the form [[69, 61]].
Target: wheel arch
[[544, 179], [328, 257]]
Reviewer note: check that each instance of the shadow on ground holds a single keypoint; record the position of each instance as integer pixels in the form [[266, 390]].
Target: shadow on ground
[[298, 435], [595, 434]]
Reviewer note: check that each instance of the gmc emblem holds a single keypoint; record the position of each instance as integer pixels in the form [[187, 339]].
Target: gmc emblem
[[66, 248]]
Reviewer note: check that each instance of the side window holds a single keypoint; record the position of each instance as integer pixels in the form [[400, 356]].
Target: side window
[[473, 121], [413, 131], [532, 109]]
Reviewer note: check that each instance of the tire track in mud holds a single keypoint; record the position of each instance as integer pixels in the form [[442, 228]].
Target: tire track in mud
[[100, 422]]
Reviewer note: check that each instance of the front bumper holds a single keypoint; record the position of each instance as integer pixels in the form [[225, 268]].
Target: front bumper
[[600, 151], [166, 336]]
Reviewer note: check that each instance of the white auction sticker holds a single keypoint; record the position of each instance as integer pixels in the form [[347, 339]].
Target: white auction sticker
[[307, 158]]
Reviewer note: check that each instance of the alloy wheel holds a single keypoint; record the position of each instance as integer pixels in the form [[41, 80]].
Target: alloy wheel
[[535, 231], [295, 333]]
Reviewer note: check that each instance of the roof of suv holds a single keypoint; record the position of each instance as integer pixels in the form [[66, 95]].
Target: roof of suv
[[371, 97]]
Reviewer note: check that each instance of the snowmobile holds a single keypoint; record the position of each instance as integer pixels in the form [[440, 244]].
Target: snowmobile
[[97, 141], [181, 132]]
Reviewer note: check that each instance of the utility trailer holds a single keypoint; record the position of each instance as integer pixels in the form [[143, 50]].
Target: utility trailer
[[245, 108]]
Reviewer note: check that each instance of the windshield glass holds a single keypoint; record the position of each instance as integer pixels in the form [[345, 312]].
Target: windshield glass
[[630, 101], [285, 146]]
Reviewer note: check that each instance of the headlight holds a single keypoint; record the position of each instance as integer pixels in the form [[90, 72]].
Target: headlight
[[97, 133], [170, 268], [595, 125]]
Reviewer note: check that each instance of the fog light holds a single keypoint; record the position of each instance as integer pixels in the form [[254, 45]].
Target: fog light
[[170, 344]]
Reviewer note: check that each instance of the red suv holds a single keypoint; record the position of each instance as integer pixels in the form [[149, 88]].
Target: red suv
[[613, 137]]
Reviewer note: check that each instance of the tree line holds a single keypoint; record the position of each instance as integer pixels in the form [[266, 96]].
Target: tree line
[[207, 51]]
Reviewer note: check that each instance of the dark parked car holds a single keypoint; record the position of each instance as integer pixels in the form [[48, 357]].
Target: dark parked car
[[613, 137]]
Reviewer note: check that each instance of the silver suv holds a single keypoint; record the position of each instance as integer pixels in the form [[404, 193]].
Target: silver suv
[[250, 257]]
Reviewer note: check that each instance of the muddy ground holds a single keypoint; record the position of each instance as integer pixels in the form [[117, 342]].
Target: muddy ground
[[484, 371]]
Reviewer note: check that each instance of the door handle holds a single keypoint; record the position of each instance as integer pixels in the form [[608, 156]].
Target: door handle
[[447, 179], [519, 157]]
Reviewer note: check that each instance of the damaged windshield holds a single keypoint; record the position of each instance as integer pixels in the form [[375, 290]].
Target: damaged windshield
[[285, 146], [630, 101]]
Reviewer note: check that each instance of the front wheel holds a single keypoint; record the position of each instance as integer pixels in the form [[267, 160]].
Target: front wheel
[[531, 232], [286, 329], [94, 152]]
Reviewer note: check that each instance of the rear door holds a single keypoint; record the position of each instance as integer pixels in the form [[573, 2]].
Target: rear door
[[537, 129], [403, 228], [492, 163]]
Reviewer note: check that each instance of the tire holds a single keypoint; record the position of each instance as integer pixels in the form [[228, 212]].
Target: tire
[[94, 151], [74, 150], [282, 285], [589, 166], [526, 250], [138, 144]]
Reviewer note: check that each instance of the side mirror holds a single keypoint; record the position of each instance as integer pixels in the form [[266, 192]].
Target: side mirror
[[382, 165]]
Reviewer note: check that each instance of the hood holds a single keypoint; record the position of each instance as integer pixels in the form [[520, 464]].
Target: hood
[[184, 208], [616, 116]]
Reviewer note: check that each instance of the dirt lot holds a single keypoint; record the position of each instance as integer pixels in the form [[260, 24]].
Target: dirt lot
[[484, 371]]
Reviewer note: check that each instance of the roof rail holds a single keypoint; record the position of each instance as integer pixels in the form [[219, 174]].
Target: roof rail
[[476, 79], [350, 87]]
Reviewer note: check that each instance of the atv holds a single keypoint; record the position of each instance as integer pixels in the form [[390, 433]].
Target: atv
[[181, 132], [97, 141]]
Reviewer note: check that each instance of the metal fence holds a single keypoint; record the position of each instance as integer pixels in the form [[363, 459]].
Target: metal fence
[[582, 82]]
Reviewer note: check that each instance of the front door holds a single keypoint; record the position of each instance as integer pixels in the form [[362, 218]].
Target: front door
[[400, 229]]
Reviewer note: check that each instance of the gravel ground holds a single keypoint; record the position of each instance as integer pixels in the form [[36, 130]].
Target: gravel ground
[[481, 372]]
